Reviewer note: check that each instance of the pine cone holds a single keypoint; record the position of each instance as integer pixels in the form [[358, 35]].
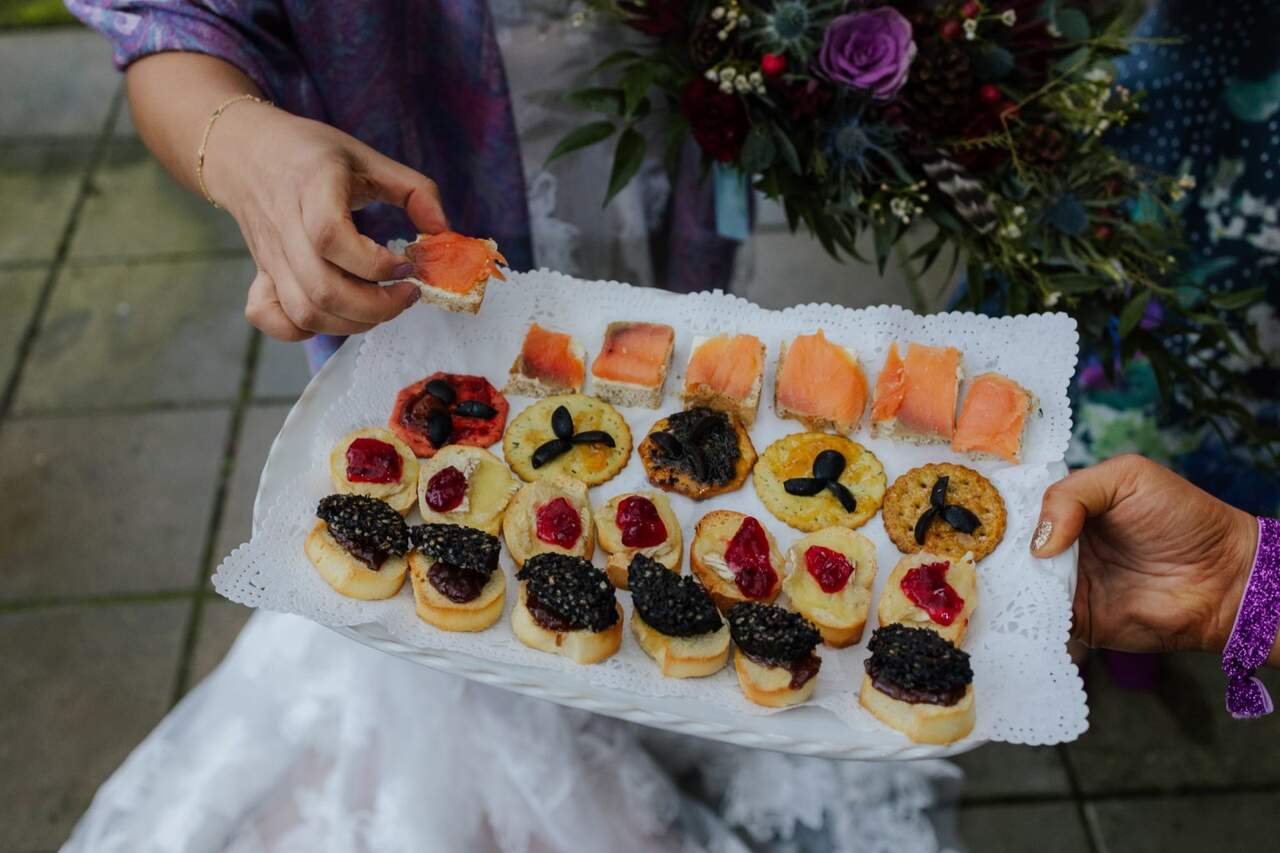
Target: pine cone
[[1042, 145], [939, 94], [705, 46]]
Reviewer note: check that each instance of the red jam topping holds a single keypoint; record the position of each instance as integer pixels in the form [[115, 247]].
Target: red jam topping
[[446, 489], [559, 523], [373, 461], [640, 523], [927, 588], [829, 568], [748, 557]]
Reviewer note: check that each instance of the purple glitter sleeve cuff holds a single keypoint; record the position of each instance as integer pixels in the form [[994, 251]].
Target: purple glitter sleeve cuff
[[1254, 632]]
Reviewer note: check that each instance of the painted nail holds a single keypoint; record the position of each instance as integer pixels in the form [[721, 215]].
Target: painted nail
[[1043, 531], [403, 271]]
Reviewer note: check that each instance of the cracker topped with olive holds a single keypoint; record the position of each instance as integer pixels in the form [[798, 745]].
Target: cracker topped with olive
[[699, 453], [944, 509], [813, 480], [570, 434]]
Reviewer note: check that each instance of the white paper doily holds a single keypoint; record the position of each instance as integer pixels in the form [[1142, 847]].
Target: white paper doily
[[1027, 689]]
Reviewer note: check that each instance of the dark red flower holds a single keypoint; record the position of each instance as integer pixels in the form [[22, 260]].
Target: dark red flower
[[656, 17], [718, 120]]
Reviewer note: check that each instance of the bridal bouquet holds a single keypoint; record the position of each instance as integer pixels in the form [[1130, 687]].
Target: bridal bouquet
[[977, 127]]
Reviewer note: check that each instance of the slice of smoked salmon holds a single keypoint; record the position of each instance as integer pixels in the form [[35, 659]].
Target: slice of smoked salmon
[[819, 379], [454, 262], [919, 392], [729, 366], [634, 352], [992, 418], [552, 357]]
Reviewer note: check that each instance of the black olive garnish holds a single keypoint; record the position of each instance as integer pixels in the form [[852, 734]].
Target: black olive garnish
[[827, 468], [594, 436], [442, 391], [553, 449], [439, 427], [668, 444], [697, 460], [957, 517], [805, 487], [562, 423], [475, 409]]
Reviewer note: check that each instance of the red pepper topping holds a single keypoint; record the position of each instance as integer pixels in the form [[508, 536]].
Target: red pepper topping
[[748, 557], [830, 569], [372, 461], [927, 588], [559, 523], [446, 489], [640, 523]]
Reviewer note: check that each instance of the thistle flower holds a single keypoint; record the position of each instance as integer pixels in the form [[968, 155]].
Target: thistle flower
[[794, 26]]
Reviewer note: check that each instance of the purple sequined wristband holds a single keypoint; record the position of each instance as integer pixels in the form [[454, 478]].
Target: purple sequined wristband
[[1254, 632]]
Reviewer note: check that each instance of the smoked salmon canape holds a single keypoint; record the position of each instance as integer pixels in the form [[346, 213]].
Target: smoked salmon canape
[[633, 362], [993, 418], [726, 373], [452, 270], [820, 384], [549, 363], [916, 397]]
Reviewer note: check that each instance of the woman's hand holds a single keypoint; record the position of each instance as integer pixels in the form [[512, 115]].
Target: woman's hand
[[1162, 563], [291, 184]]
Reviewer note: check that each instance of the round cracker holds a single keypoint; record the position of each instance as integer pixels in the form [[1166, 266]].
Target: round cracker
[[593, 464], [793, 455], [908, 499]]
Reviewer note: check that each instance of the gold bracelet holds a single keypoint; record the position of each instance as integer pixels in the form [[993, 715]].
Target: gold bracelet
[[204, 140]]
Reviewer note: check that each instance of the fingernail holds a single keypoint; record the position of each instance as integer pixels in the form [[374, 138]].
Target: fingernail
[[1041, 538], [403, 271], [412, 297]]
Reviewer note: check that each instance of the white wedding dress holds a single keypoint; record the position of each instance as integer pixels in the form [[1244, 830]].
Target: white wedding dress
[[305, 741]]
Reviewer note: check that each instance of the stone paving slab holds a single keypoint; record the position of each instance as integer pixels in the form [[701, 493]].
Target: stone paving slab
[[132, 334], [261, 423], [39, 182], [220, 624], [55, 82], [138, 210], [81, 687], [1223, 823], [103, 503], [1040, 827], [282, 370], [1007, 770], [1180, 736], [19, 293]]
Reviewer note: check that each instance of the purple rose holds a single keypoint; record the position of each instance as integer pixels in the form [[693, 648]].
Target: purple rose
[[869, 50]]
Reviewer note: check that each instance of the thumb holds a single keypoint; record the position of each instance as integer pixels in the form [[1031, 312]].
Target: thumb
[[1068, 503], [395, 183]]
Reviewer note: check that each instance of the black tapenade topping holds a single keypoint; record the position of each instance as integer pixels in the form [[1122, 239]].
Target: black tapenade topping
[[772, 635], [917, 665], [368, 528], [701, 442], [571, 588], [464, 547], [674, 605]]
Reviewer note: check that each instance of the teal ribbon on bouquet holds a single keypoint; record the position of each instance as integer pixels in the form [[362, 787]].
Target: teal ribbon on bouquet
[[733, 220]]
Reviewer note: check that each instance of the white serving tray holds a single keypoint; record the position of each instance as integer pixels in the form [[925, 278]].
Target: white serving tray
[[806, 730]]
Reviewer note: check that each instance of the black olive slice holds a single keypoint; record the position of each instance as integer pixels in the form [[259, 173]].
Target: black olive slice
[[475, 409], [697, 463], [442, 391], [922, 526], [843, 495], [439, 427], [828, 465], [960, 518], [938, 497], [562, 423], [804, 486], [668, 444], [553, 449], [594, 436]]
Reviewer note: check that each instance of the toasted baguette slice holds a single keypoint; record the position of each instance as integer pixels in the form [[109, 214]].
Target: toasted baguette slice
[[435, 609], [521, 382], [349, 576], [581, 646], [609, 536], [745, 409], [520, 524], [770, 686], [814, 423], [894, 605], [401, 494], [922, 722], [710, 537], [840, 616], [683, 657], [622, 393]]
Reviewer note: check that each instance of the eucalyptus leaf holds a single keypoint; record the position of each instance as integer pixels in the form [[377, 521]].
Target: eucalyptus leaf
[[1073, 24], [588, 134], [788, 151], [758, 152], [599, 99], [1071, 283], [627, 159], [635, 85], [992, 62], [1132, 313], [1068, 215], [1239, 299]]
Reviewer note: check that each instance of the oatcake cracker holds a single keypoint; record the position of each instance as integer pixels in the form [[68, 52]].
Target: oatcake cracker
[[909, 498]]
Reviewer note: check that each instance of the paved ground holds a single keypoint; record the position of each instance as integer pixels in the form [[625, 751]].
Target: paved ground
[[135, 415]]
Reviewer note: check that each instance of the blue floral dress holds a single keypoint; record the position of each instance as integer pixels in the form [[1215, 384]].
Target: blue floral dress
[[1213, 101]]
